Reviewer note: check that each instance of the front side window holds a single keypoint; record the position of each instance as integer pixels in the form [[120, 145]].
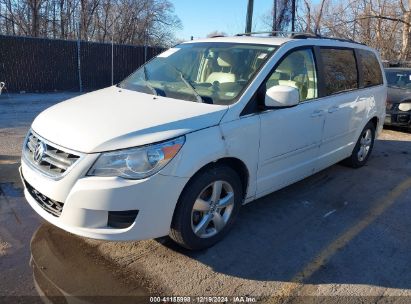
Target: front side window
[[297, 70], [370, 67], [340, 70], [211, 72]]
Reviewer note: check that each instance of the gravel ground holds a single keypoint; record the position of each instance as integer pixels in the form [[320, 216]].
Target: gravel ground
[[341, 235]]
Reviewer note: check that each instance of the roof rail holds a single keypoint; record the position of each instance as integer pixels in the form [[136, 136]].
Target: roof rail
[[272, 32], [304, 36], [299, 35], [342, 39]]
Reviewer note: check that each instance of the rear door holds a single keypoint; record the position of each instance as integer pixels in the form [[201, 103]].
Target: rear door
[[372, 94]]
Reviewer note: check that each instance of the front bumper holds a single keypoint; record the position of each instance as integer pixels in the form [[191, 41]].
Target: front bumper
[[398, 119], [88, 201]]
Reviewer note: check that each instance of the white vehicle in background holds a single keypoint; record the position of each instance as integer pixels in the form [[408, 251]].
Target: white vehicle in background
[[177, 147]]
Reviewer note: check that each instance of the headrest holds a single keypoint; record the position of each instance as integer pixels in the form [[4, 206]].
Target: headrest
[[294, 62], [225, 59]]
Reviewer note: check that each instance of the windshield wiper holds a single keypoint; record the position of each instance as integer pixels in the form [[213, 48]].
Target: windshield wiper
[[148, 85], [187, 83]]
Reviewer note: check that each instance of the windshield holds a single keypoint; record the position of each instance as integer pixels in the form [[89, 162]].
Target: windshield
[[214, 73], [399, 78]]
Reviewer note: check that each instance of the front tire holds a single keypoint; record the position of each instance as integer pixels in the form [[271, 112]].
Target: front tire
[[207, 208], [363, 147]]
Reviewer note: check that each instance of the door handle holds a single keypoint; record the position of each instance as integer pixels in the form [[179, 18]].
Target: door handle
[[333, 109], [317, 113]]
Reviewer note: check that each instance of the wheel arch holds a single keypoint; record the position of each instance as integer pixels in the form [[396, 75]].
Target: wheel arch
[[375, 121], [234, 163]]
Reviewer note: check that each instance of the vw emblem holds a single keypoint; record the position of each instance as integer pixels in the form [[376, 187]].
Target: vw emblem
[[39, 152]]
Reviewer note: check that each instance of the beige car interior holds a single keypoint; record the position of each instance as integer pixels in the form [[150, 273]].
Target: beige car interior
[[297, 70], [225, 62]]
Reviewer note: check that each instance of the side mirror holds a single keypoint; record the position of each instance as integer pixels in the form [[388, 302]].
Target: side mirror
[[281, 96]]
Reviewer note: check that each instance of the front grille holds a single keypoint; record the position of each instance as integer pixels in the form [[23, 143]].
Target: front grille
[[47, 158], [51, 206], [403, 118]]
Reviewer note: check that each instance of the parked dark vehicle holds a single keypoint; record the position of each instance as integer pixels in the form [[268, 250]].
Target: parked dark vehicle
[[399, 97]]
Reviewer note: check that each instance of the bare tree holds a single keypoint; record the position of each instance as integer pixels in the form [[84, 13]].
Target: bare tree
[[87, 11], [35, 6], [279, 17], [406, 30], [382, 24], [150, 22], [319, 17], [310, 18]]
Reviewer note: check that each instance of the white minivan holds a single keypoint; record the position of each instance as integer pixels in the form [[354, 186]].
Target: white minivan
[[178, 146]]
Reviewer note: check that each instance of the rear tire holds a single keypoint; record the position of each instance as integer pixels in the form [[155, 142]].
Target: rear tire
[[363, 147], [207, 208]]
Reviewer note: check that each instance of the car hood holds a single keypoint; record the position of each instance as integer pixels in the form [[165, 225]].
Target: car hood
[[397, 95], [114, 118]]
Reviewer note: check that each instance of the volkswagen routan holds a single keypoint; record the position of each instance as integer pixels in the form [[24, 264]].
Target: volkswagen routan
[[181, 144]]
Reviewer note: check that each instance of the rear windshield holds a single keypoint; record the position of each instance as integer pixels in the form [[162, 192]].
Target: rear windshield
[[212, 72], [399, 78]]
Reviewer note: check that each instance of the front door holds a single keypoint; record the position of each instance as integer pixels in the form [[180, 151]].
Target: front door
[[290, 138]]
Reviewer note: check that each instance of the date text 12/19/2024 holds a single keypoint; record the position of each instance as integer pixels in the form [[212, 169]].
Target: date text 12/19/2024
[[204, 299]]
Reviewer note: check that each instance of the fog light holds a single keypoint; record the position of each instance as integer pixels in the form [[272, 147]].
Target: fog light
[[121, 219]]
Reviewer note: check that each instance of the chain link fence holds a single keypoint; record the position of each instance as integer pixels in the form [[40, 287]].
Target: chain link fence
[[48, 65]]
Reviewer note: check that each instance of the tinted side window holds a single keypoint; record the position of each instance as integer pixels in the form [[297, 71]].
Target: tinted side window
[[371, 71], [340, 70]]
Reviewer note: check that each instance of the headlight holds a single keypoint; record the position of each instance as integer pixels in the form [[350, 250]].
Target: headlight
[[405, 106], [137, 163]]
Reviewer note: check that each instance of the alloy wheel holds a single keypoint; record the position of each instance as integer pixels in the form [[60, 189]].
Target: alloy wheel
[[212, 209], [365, 145]]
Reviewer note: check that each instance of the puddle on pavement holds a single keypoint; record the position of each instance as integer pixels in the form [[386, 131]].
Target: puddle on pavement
[[10, 190], [65, 271], [9, 171]]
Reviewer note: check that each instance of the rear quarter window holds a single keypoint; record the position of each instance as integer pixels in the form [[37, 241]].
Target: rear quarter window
[[340, 70], [370, 69]]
